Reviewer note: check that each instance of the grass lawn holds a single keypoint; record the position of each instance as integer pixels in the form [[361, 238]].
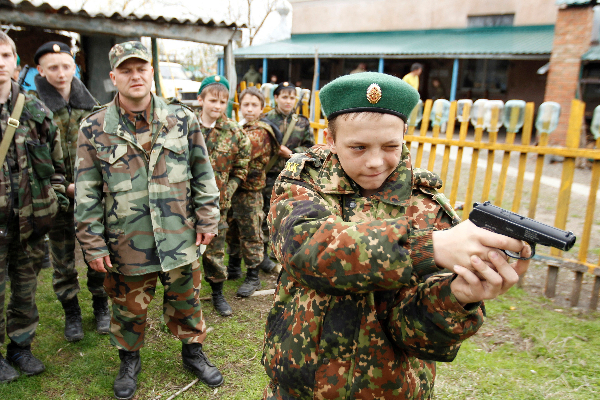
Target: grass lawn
[[525, 350]]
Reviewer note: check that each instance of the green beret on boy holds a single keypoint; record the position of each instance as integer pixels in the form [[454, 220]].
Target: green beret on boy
[[368, 92], [214, 80]]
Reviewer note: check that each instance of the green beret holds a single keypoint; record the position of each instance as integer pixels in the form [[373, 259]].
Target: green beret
[[214, 80], [368, 92]]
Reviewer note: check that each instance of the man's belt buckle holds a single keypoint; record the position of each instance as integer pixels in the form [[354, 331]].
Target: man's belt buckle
[[13, 122]]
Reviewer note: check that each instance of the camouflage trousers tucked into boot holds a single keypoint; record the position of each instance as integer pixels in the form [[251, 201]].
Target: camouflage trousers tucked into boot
[[130, 296], [244, 236], [73, 320]]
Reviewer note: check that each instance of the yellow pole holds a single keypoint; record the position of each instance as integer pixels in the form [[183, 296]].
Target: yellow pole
[[449, 136], [510, 139], [525, 140], [242, 86], [492, 136], [473, 171], [317, 115], [539, 166], [591, 205], [424, 128], [412, 122], [566, 181], [432, 153], [464, 127]]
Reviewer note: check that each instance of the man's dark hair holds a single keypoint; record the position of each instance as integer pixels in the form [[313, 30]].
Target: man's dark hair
[[415, 67]]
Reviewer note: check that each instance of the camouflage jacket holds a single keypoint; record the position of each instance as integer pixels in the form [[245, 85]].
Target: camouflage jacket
[[229, 151], [300, 140], [353, 315], [264, 146], [67, 116], [143, 208], [40, 169]]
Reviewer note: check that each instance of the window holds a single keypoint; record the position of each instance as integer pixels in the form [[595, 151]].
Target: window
[[482, 21], [485, 75]]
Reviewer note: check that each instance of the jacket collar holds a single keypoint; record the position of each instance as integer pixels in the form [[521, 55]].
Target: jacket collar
[[161, 114], [80, 97], [396, 189]]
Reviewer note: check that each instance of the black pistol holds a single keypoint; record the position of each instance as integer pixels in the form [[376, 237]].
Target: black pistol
[[507, 223]]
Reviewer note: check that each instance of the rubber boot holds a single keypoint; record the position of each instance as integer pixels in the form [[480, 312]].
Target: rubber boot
[[251, 283], [234, 268], [73, 324], [126, 382], [267, 265], [218, 300], [196, 361], [102, 314], [21, 357], [7, 372]]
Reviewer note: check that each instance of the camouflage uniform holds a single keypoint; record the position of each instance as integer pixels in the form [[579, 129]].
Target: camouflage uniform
[[354, 316], [68, 117], [229, 151], [245, 237], [300, 140], [29, 201], [143, 203]]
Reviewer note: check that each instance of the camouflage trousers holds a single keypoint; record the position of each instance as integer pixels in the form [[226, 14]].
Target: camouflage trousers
[[21, 267], [62, 248], [131, 295], [267, 191], [245, 237], [213, 259]]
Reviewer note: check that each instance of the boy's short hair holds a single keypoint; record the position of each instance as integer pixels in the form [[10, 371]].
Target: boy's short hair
[[5, 39], [215, 89], [416, 66], [254, 92]]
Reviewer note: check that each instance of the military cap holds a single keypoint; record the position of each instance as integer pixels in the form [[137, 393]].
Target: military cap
[[368, 92], [283, 85], [214, 80], [51, 47], [124, 51]]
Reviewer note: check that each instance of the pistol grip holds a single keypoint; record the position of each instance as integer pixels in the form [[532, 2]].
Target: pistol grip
[[518, 256]]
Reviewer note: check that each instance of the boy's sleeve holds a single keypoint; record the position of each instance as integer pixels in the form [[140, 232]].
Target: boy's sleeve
[[204, 191], [426, 321], [323, 252], [239, 168]]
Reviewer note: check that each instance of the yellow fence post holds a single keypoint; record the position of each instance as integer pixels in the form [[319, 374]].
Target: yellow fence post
[[449, 136], [317, 116], [539, 166], [424, 128], [525, 140], [510, 139], [589, 214], [473, 171], [492, 136], [464, 128]]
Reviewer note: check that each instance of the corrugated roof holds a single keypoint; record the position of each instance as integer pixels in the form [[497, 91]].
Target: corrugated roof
[[498, 41], [97, 9], [593, 54]]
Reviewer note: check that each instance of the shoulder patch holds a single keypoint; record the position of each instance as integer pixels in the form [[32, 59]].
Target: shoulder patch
[[175, 101], [295, 165], [425, 178], [96, 110], [429, 183]]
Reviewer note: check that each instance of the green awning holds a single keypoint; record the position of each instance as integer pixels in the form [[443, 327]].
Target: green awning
[[494, 42], [593, 54]]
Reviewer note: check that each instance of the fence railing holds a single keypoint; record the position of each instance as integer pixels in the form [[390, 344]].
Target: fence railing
[[513, 177]]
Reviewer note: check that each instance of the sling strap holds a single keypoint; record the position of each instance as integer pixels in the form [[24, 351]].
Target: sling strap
[[13, 124], [286, 137]]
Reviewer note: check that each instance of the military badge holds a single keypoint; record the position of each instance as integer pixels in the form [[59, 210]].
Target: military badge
[[56, 48], [374, 93], [217, 78]]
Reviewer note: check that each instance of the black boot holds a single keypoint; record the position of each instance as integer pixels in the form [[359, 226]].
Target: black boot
[[73, 325], [126, 382], [21, 357], [218, 300], [7, 373], [234, 268], [46, 260], [195, 360], [102, 314], [251, 283], [267, 265]]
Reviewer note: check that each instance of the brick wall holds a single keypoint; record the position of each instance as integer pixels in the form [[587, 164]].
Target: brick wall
[[572, 36]]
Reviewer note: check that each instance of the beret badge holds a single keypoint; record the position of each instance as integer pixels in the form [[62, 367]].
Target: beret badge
[[374, 93], [56, 48]]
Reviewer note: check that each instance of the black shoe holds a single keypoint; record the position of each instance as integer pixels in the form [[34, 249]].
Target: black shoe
[[267, 265], [126, 382], [251, 283], [73, 324], [234, 268], [102, 314], [218, 300], [21, 357], [7, 373], [46, 260], [195, 360]]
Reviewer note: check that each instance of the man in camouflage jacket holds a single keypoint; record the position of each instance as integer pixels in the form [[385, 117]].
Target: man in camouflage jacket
[[244, 237], [145, 199], [70, 102], [31, 194], [355, 315], [300, 140], [229, 152]]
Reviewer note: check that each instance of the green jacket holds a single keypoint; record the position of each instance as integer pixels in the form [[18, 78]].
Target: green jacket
[[144, 209], [39, 170], [354, 314]]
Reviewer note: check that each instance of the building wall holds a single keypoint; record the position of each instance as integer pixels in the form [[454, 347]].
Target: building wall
[[324, 16]]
